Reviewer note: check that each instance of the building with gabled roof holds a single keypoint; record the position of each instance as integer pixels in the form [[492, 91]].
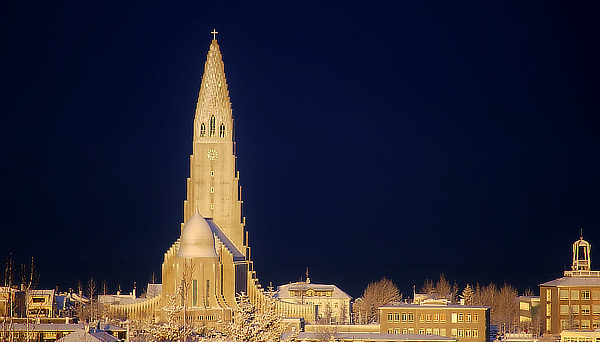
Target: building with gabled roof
[[333, 305]]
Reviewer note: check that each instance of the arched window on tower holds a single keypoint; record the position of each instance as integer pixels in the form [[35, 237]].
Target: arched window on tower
[[212, 126], [202, 130], [222, 131]]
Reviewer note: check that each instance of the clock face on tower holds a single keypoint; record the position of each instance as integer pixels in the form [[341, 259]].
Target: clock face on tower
[[212, 154]]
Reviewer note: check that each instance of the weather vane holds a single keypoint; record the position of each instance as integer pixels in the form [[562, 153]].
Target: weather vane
[[214, 32]]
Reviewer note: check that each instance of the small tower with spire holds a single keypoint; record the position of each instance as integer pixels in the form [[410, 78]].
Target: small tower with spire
[[581, 255]]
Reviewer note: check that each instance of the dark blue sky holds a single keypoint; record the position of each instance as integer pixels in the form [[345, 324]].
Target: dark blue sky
[[398, 139]]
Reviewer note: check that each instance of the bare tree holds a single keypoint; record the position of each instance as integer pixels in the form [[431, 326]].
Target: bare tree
[[91, 289], [504, 305], [377, 294], [468, 295], [440, 289]]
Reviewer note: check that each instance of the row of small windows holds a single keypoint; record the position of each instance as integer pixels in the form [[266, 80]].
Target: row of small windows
[[579, 295], [585, 309], [583, 324], [432, 318], [461, 333], [212, 128]]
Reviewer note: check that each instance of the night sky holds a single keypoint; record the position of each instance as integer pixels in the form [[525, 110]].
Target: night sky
[[399, 139]]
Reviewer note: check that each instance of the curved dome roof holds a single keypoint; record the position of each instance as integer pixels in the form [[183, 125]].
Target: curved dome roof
[[197, 239]]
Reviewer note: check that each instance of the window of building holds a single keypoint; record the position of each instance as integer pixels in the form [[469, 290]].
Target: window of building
[[564, 309], [574, 295], [411, 317], [436, 331], [468, 333], [212, 205], [422, 317], [212, 173], [548, 324], [585, 309], [475, 318], [596, 294], [469, 318], [38, 299], [194, 292], [585, 294], [563, 324], [595, 309], [396, 331], [212, 126], [443, 318], [202, 130], [585, 324], [429, 331], [475, 333], [411, 330], [595, 324], [461, 333], [396, 317], [454, 318], [222, 131], [549, 295], [404, 317], [548, 309], [575, 309], [212, 189], [422, 331], [564, 294], [461, 318], [576, 324], [390, 317], [390, 331], [404, 331], [443, 332], [436, 318], [428, 318]]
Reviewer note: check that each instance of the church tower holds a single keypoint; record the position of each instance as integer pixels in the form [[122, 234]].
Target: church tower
[[212, 187]]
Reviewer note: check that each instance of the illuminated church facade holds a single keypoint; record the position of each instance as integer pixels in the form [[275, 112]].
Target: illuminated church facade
[[210, 263]]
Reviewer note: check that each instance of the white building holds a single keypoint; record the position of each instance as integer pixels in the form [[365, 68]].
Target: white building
[[333, 304]]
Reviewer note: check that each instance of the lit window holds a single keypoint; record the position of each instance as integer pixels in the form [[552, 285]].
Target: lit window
[[468, 333], [212, 189], [548, 295], [563, 324], [564, 309], [443, 332], [421, 331], [422, 317], [390, 331], [428, 317], [397, 317], [575, 309], [469, 318], [202, 130], [411, 317], [454, 333], [596, 294], [212, 205], [404, 317], [564, 294], [595, 324], [585, 294], [596, 309], [475, 333], [428, 331], [461, 333], [475, 318], [390, 317], [212, 126], [436, 318], [436, 331], [574, 295], [454, 318], [404, 331], [212, 173], [222, 131], [396, 331], [443, 318], [548, 309], [411, 330], [585, 309], [585, 324], [548, 324], [461, 318], [195, 292]]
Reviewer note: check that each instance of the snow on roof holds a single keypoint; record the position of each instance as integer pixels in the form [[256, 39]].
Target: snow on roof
[[371, 337], [96, 336], [573, 281], [454, 306], [283, 291], [237, 255]]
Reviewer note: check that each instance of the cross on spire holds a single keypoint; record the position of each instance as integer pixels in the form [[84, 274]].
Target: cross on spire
[[214, 32]]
